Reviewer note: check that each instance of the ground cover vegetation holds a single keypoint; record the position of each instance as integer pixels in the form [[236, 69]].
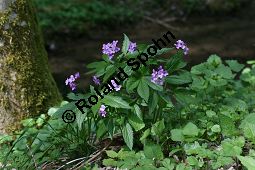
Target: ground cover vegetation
[[162, 117], [79, 16]]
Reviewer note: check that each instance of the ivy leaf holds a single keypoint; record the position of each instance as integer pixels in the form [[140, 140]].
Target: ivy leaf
[[128, 135], [143, 90], [125, 44]]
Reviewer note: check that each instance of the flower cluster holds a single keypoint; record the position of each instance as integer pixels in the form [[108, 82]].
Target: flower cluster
[[71, 81], [96, 80], [132, 47], [102, 111], [181, 45], [116, 87], [110, 49], [158, 76]]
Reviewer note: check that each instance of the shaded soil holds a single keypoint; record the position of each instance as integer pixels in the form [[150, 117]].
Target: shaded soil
[[230, 37]]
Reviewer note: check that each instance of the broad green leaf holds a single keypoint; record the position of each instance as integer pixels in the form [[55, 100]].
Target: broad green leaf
[[180, 79], [127, 134], [153, 152], [234, 65], [131, 84], [125, 44], [153, 85], [143, 90], [216, 128], [176, 135], [192, 161], [224, 71], [158, 128], [190, 130], [109, 162], [146, 133], [227, 125], [115, 101], [111, 154], [135, 122], [247, 161]]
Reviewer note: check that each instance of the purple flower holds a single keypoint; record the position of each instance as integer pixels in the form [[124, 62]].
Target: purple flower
[[116, 87], [158, 76], [181, 45], [132, 47], [186, 50], [71, 81], [102, 111], [96, 80], [110, 49], [77, 75]]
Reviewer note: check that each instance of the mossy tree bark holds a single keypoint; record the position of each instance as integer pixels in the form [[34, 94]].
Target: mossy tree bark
[[27, 87]]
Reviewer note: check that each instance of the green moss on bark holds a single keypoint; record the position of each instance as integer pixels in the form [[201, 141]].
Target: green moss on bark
[[27, 86]]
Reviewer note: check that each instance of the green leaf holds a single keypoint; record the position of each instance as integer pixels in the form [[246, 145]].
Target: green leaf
[[125, 44], [210, 113], [80, 118], [164, 50], [180, 79], [216, 128], [143, 90], [138, 112], [110, 70], [153, 152], [112, 154], [227, 125], [146, 133], [115, 101], [153, 102], [190, 130], [158, 128], [176, 135], [247, 161], [135, 122], [234, 65], [192, 161], [224, 71], [131, 84], [109, 162], [153, 85], [127, 134]]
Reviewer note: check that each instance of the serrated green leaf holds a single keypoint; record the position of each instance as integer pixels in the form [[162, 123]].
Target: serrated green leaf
[[143, 90], [127, 134]]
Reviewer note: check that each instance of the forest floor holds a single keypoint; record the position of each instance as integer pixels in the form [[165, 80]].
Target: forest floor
[[230, 37]]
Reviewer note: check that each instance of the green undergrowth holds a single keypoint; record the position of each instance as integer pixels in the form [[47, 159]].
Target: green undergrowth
[[203, 118]]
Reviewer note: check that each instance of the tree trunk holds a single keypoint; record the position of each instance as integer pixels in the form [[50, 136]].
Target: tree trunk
[[27, 87]]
